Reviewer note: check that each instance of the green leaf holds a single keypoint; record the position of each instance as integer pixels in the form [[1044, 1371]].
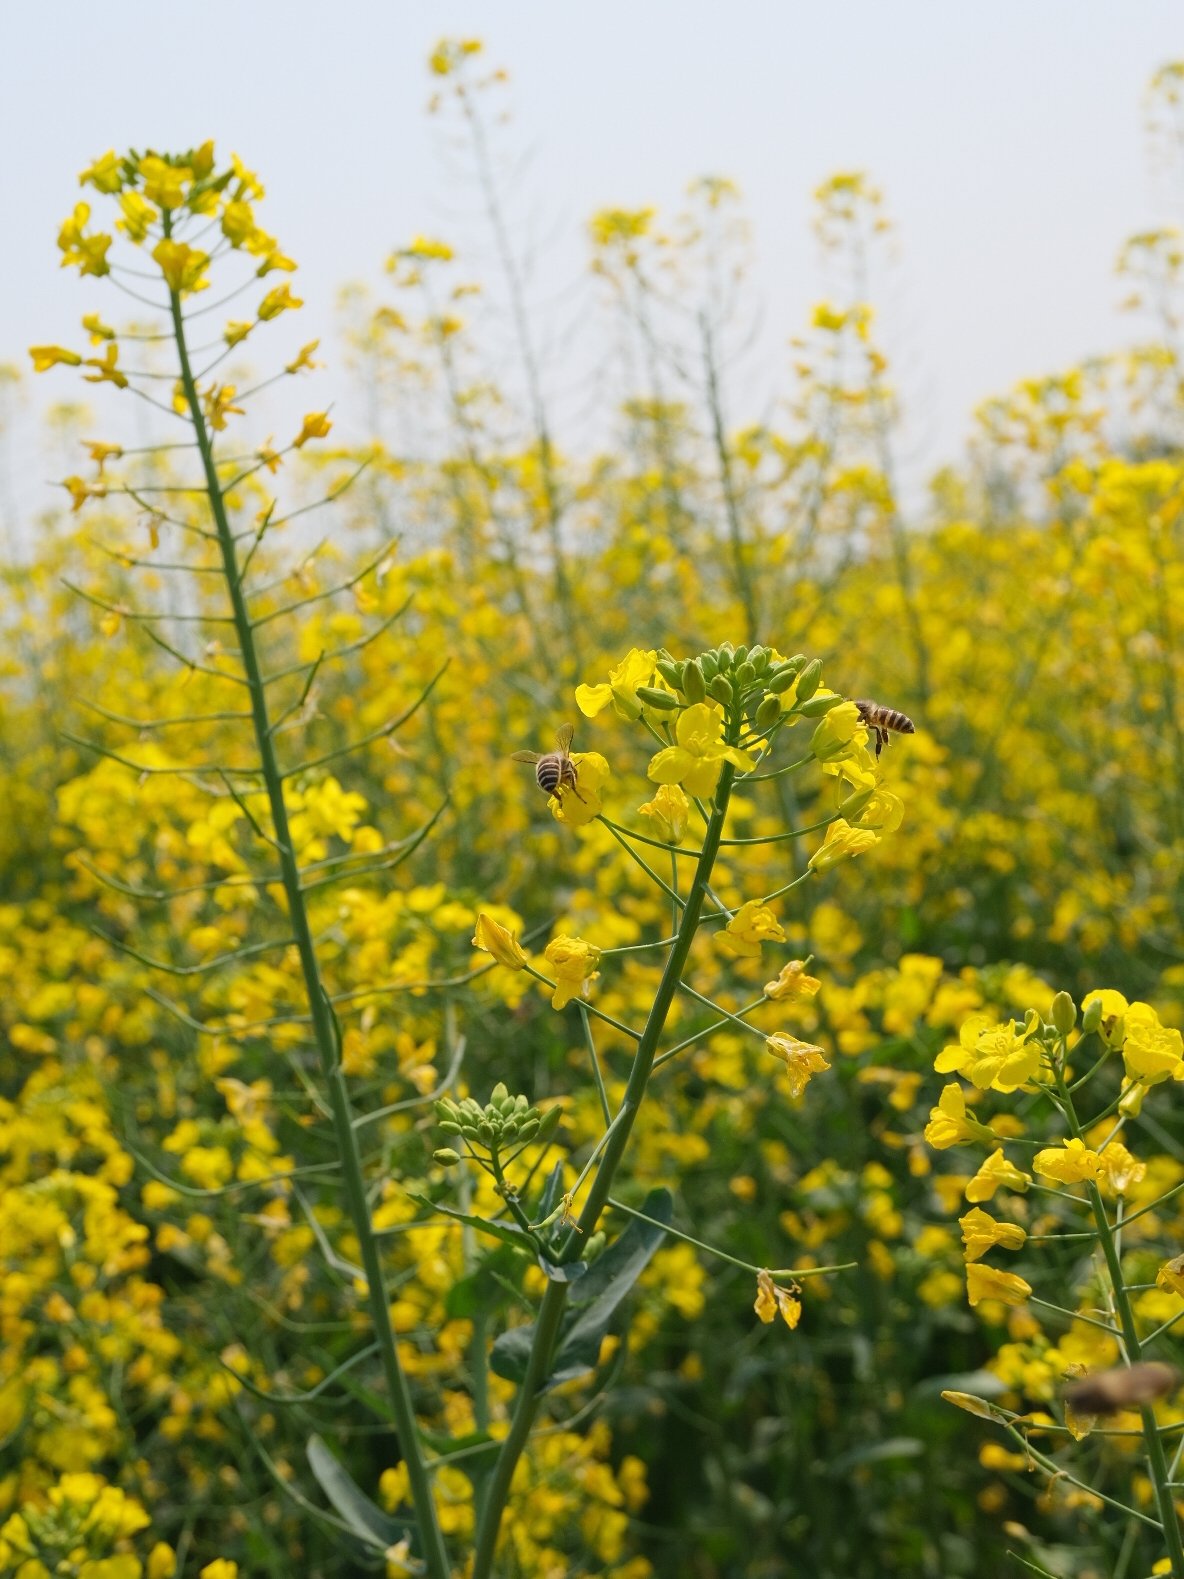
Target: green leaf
[[365, 1518], [509, 1233], [485, 1289], [594, 1302]]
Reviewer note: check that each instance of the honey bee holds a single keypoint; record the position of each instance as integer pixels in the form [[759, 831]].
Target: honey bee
[[1107, 1392], [884, 721], [555, 771]]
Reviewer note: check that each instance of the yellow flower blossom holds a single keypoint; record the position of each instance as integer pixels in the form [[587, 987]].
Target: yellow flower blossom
[[668, 813], [498, 941], [792, 983], [1069, 1164], [277, 301], [753, 924], [841, 842], [574, 963], [220, 1568], [801, 1059], [996, 1173], [88, 253], [772, 1301], [138, 215], [164, 184], [950, 1124], [316, 425], [183, 266], [592, 775], [47, 356], [991, 1055], [1151, 1052], [1171, 1276], [697, 760], [981, 1232], [636, 668], [987, 1282], [1122, 1168], [838, 733], [105, 174]]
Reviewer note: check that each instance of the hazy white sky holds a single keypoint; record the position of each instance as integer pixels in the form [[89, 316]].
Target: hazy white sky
[[1006, 135]]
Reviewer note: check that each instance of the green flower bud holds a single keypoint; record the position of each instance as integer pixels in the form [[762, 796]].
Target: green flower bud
[[1032, 1022], [739, 656], [694, 687], [499, 1094], [594, 1246], [446, 1157], [809, 680], [767, 713], [818, 705], [529, 1129], [1091, 1017], [783, 677], [1064, 1013], [725, 652], [549, 1123], [510, 1130], [759, 659], [471, 1132], [745, 675], [854, 803], [721, 689], [652, 697], [486, 1132], [451, 1126], [709, 664], [671, 672]]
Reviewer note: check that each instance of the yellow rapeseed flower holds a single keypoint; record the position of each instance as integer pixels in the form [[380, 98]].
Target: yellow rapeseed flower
[[772, 1301], [753, 924], [996, 1173], [593, 774], [987, 1282], [981, 1232], [950, 1124], [1068, 1164], [991, 1055], [1151, 1052], [842, 841], [801, 1059], [636, 668], [792, 982], [316, 425], [698, 759], [574, 962], [47, 356], [668, 813], [498, 941]]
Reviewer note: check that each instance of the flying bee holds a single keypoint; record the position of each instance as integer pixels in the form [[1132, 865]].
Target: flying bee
[[1107, 1392], [884, 721], [555, 771]]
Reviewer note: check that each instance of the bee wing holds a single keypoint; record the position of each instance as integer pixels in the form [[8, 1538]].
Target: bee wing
[[525, 756], [563, 736]]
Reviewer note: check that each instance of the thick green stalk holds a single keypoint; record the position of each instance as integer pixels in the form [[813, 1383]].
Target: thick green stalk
[[324, 1028], [554, 1300]]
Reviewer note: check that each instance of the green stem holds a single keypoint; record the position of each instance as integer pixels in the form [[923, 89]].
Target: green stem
[[1156, 1459], [324, 1028], [554, 1301]]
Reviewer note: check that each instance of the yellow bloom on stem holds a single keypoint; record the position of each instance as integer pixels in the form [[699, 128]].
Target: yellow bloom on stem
[[1171, 1276], [636, 668], [104, 175], [987, 1282], [950, 1124], [1122, 1168], [753, 924], [842, 841], [697, 760], [592, 773], [97, 329], [792, 983], [838, 732], [316, 426], [88, 252], [991, 1055], [138, 215], [182, 265], [994, 1174], [162, 1562], [574, 963], [1068, 1164], [164, 183], [106, 371], [498, 941], [47, 356], [277, 301], [801, 1059], [980, 1233], [668, 813], [772, 1301], [220, 1568], [1151, 1052]]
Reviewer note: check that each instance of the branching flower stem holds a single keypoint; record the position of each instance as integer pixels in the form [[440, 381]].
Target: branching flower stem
[[554, 1301], [324, 1026]]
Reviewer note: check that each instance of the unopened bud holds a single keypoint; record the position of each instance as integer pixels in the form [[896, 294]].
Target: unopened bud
[[745, 675], [767, 713], [549, 1123], [854, 803], [1064, 1013], [652, 697], [817, 706], [1091, 1017], [739, 656], [694, 687], [671, 672], [594, 1246], [721, 689], [446, 1157], [759, 659], [809, 680]]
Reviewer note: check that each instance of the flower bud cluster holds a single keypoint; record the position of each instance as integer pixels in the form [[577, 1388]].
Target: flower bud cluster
[[763, 683], [503, 1122]]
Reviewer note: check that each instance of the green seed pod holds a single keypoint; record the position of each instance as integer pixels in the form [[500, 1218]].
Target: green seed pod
[[671, 672], [768, 712], [446, 1157], [721, 689], [745, 675], [709, 663], [1064, 1013], [817, 706], [652, 697], [1091, 1017], [809, 680], [694, 687]]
